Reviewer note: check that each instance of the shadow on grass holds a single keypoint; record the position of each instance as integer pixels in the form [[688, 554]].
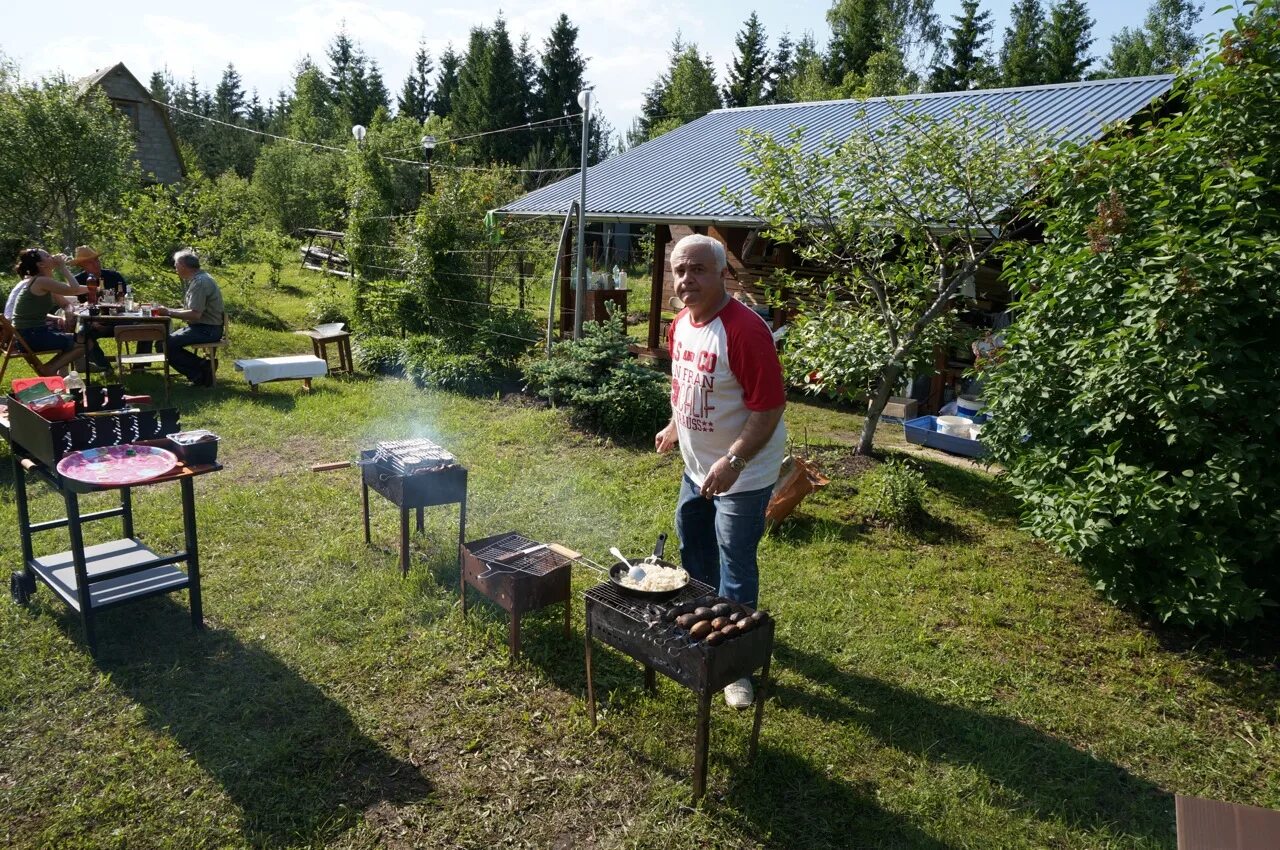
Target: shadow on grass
[[971, 490], [783, 796], [290, 758], [802, 528], [254, 316], [1244, 662], [1049, 779]]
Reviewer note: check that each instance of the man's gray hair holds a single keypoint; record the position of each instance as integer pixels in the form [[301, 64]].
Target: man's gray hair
[[716, 246], [188, 258]]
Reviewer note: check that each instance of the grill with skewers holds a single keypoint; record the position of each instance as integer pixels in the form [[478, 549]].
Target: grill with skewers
[[636, 627], [413, 474], [519, 575]]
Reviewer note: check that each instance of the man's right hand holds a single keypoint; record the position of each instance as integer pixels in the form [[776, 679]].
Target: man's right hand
[[666, 439]]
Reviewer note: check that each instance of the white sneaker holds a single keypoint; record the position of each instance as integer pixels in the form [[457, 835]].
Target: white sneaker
[[740, 694]]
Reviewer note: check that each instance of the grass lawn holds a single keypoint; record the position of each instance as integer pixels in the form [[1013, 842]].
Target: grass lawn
[[955, 687]]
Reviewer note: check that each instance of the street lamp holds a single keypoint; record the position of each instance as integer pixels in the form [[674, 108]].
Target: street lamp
[[359, 132], [428, 145]]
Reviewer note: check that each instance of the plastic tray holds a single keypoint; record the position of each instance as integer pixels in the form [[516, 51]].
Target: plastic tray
[[923, 431]]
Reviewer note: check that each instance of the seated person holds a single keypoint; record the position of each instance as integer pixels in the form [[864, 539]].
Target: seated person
[[40, 298], [202, 310], [90, 263]]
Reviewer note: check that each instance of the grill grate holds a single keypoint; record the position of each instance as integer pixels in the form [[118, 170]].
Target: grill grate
[[643, 610], [512, 552], [406, 457]]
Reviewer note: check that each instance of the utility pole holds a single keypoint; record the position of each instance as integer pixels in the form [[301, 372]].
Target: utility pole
[[580, 289]]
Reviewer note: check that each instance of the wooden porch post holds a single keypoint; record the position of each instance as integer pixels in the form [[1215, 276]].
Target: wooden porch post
[[661, 236]]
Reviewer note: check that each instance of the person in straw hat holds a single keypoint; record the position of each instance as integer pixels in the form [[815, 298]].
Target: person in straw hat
[[90, 263]]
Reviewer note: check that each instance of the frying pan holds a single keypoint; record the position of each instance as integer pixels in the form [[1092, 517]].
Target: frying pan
[[618, 570]]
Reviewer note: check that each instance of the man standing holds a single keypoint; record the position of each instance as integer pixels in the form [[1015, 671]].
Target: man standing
[[727, 399], [202, 310], [90, 263]]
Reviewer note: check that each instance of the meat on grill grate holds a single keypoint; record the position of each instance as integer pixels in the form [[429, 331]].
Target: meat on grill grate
[[406, 457]]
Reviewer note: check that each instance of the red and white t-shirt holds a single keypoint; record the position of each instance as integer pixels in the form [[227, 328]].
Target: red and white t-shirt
[[721, 371]]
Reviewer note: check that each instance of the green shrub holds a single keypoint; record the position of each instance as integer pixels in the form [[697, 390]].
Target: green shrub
[[1132, 404], [607, 390], [379, 355], [468, 374], [892, 494], [329, 305]]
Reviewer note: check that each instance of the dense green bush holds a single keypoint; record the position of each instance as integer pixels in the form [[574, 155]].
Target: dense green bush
[[379, 355], [1134, 403], [329, 305], [469, 374], [607, 390], [892, 494]]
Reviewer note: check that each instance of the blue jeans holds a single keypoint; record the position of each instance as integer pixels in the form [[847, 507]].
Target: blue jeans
[[719, 537], [190, 365], [45, 338]]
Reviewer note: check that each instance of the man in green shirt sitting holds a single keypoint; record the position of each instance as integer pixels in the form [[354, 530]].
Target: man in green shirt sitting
[[202, 310]]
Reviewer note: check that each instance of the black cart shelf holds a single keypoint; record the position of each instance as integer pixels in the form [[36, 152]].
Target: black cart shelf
[[89, 579]]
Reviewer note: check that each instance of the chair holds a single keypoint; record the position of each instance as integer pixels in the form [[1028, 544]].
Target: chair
[[13, 343], [210, 349], [157, 335]]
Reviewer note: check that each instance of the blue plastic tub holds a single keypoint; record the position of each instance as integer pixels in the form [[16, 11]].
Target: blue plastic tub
[[923, 431]]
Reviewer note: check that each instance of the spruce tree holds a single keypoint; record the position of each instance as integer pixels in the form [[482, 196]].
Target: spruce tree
[[748, 76], [505, 96], [1067, 41], [692, 91], [415, 98], [966, 66], [161, 86], [470, 101], [1021, 55], [527, 69], [447, 82], [781, 69], [228, 97], [857, 34], [256, 113], [560, 79], [652, 110]]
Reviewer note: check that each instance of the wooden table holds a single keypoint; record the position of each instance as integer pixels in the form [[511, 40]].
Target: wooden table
[[319, 346], [83, 320]]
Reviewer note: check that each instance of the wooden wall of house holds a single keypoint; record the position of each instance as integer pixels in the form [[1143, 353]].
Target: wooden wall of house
[[155, 149]]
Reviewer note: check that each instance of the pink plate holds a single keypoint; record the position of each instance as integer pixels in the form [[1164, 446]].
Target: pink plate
[[117, 466]]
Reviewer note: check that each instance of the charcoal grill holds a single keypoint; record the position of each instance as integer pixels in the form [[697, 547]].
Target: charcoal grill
[[518, 574], [635, 627], [413, 474]]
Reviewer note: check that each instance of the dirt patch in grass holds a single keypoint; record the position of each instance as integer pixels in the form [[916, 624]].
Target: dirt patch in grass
[[523, 399], [257, 463]]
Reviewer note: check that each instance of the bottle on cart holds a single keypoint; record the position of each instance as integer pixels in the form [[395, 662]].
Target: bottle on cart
[[74, 384]]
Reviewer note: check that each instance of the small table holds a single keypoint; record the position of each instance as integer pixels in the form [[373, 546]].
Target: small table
[[83, 320], [319, 346]]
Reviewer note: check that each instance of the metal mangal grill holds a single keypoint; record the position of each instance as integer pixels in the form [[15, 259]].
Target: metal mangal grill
[[412, 475], [519, 575], [637, 628]]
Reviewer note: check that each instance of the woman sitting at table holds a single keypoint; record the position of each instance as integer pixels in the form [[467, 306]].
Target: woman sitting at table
[[36, 311]]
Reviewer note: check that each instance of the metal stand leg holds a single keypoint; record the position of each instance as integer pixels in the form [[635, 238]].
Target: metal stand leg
[[513, 637], [193, 552], [700, 745], [364, 504], [81, 570], [404, 541], [462, 529], [650, 681], [421, 511], [568, 618], [761, 693], [126, 505], [591, 686], [24, 515], [462, 592]]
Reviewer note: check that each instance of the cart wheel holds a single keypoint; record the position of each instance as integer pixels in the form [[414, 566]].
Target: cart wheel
[[20, 588]]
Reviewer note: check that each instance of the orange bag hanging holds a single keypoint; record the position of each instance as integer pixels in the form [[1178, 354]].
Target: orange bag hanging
[[798, 478]]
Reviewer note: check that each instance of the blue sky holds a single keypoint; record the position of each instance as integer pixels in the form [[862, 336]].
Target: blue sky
[[626, 41]]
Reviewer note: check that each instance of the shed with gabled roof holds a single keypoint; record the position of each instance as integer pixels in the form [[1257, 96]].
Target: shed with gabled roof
[[155, 143]]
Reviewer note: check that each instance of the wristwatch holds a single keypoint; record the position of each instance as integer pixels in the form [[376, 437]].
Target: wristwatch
[[738, 463]]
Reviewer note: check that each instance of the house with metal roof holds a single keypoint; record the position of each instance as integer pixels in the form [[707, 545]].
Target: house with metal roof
[[678, 182]]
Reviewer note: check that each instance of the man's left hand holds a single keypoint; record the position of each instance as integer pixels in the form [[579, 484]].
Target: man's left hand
[[719, 479]]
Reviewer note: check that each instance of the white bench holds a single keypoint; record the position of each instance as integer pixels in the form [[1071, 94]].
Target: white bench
[[298, 367]]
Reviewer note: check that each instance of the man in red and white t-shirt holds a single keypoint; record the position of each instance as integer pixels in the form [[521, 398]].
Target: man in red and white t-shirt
[[727, 399]]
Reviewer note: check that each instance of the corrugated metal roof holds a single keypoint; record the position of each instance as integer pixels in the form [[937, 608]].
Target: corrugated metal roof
[[680, 176]]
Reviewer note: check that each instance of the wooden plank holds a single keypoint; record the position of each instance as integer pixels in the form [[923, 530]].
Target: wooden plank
[[1215, 825], [661, 236]]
